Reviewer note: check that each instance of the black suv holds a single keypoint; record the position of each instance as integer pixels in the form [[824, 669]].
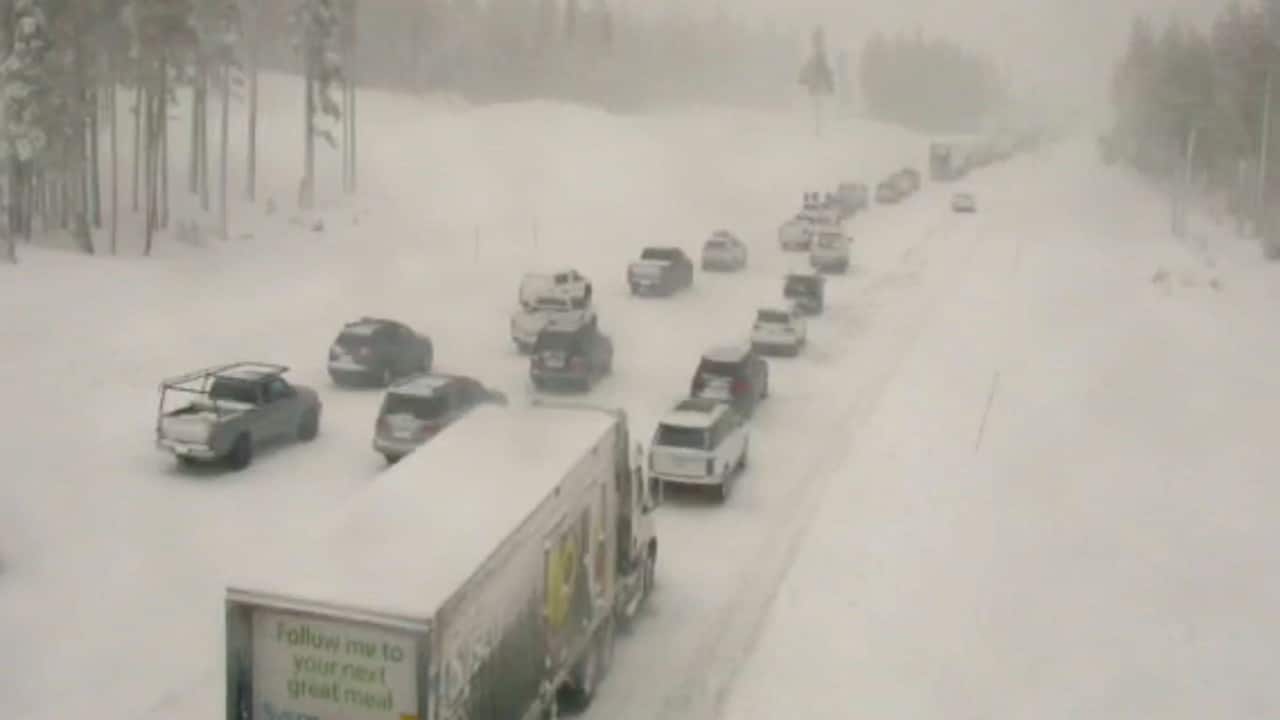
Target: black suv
[[660, 271], [735, 374], [571, 354], [377, 351]]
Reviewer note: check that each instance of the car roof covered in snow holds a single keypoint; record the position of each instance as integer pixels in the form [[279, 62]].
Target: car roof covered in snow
[[697, 413], [411, 537], [366, 325], [727, 353], [773, 309], [424, 384]]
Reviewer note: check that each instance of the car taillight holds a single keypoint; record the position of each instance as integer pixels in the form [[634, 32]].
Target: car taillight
[[577, 364], [364, 352], [428, 429], [333, 353], [739, 387]]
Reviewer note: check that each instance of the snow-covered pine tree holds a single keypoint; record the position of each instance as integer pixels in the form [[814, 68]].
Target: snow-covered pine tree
[[164, 39], [24, 86]]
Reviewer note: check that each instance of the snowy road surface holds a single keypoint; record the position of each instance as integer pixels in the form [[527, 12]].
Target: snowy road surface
[[115, 561], [1063, 505]]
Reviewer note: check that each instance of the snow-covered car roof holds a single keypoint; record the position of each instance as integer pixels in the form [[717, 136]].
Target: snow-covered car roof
[[423, 385], [727, 353], [696, 413]]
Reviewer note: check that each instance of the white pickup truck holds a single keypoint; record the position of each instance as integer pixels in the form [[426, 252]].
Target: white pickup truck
[[483, 576], [531, 319]]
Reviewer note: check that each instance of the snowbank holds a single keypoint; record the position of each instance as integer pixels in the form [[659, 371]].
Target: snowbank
[[1098, 544]]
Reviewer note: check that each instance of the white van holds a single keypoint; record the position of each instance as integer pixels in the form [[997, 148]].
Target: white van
[[700, 442]]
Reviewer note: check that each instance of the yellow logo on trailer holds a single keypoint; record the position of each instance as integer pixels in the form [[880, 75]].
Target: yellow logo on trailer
[[562, 566]]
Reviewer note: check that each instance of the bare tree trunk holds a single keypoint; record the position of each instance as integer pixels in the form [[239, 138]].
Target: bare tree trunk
[[251, 181], [162, 117], [222, 151], [95, 162], [138, 113], [193, 165], [115, 169], [152, 153], [306, 198], [204, 138], [352, 74]]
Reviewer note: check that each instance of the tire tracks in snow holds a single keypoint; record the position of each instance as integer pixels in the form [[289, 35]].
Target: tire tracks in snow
[[717, 660]]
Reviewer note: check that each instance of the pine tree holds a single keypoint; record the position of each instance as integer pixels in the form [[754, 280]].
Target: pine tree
[[316, 24]]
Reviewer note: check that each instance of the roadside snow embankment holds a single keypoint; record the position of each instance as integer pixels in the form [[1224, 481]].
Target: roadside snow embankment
[[1106, 548]]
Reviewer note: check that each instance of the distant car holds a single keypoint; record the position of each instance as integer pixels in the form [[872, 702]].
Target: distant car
[[778, 331], [564, 283], [806, 292], [912, 178], [830, 252], [796, 234], [852, 197], [378, 351], [233, 411], [418, 408], [724, 251], [529, 320], [567, 354], [735, 374], [964, 203], [660, 271], [887, 193], [701, 443]]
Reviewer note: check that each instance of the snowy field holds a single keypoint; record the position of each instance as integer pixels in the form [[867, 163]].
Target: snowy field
[[1103, 550]]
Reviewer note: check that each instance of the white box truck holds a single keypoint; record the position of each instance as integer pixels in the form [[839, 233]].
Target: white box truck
[[482, 577]]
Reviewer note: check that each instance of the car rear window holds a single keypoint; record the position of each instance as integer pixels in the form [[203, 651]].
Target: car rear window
[[772, 316], [234, 391], [552, 340], [716, 368], [830, 241], [658, 254], [682, 437], [422, 407], [551, 303], [355, 339], [801, 284]]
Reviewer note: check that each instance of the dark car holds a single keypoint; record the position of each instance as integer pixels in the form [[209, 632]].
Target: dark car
[[660, 271], [807, 291], [912, 178], [734, 374], [570, 355], [377, 351], [418, 408], [888, 192]]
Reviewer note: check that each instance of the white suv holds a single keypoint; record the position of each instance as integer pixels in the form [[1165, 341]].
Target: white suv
[[830, 252], [778, 331], [700, 442]]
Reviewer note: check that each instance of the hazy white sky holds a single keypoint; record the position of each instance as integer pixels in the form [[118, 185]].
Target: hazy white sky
[[1063, 49]]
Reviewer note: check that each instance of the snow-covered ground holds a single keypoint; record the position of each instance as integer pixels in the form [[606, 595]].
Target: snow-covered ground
[[1104, 546], [1109, 498], [115, 560]]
